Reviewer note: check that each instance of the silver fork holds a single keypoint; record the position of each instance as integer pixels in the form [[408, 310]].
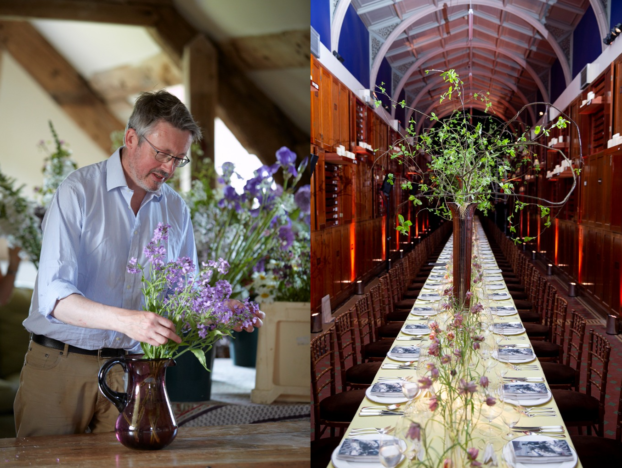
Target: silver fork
[[371, 430], [526, 367]]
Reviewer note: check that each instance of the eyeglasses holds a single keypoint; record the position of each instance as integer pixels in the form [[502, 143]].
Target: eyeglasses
[[165, 158]]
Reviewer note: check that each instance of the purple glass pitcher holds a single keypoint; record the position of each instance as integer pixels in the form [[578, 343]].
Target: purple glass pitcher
[[146, 421]]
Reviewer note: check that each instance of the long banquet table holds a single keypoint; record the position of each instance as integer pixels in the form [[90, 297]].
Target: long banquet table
[[521, 339], [270, 445]]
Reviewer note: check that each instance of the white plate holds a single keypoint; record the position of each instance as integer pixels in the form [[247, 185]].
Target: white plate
[[493, 278], [402, 358], [508, 454], [495, 287], [495, 355], [385, 400], [433, 297], [529, 402], [418, 332], [503, 313], [348, 464], [499, 296], [508, 332], [492, 270], [430, 286], [422, 313]]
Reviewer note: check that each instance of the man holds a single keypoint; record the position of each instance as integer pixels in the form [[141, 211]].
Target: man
[[86, 306]]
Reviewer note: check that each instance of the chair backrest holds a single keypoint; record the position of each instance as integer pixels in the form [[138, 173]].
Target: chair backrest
[[345, 332], [598, 355], [322, 371], [550, 294], [395, 284], [558, 322], [367, 331], [576, 339], [378, 308], [385, 292]]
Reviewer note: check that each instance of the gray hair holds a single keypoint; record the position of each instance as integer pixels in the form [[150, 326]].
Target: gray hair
[[151, 108]]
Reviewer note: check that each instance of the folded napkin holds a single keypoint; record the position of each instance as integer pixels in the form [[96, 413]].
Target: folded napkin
[[509, 353], [387, 389], [429, 297], [359, 450], [406, 351], [541, 451], [416, 327], [525, 390], [508, 326], [503, 309]]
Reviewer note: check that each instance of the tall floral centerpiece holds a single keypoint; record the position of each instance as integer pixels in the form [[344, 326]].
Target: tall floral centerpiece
[[470, 164]]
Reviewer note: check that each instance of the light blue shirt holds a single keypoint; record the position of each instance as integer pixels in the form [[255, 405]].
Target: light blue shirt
[[90, 233]]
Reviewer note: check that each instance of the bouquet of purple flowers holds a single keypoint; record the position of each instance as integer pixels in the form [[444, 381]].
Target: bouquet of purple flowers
[[202, 312]]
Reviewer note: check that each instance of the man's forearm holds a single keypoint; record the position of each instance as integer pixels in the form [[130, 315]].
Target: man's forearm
[[82, 312], [139, 325]]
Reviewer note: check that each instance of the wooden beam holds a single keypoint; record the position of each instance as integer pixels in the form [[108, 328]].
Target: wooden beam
[[61, 81], [259, 125], [255, 120], [154, 73], [200, 62], [288, 49], [136, 13]]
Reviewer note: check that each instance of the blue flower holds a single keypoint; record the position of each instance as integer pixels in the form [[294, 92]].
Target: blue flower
[[303, 199], [287, 159], [287, 237]]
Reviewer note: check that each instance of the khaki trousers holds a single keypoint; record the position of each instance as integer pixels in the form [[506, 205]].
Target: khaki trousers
[[59, 395]]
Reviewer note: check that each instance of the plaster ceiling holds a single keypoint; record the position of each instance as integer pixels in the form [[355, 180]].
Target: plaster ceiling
[[514, 43]]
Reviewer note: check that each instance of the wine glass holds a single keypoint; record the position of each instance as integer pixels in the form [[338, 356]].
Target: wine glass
[[490, 412], [510, 416], [390, 451]]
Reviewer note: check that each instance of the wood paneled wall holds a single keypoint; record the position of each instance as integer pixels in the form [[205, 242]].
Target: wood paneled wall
[[353, 232], [585, 242]]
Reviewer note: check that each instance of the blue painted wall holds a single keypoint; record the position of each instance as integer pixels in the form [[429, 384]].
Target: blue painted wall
[[384, 76], [558, 82], [354, 46], [320, 20], [586, 42], [616, 13]]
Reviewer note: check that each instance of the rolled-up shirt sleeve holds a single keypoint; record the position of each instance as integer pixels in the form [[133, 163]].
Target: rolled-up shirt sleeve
[[62, 229]]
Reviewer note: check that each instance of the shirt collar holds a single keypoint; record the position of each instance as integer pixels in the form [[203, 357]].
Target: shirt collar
[[115, 177]]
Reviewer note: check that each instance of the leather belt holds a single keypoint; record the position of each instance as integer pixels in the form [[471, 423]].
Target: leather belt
[[55, 344]]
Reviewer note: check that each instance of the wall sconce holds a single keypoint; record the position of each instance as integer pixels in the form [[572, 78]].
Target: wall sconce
[[401, 253], [360, 288], [338, 56], [316, 323], [388, 264], [615, 32], [533, 255], [549, 270], [572, 289]]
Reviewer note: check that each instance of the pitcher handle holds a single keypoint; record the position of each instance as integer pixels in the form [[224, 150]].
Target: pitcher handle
[[119, 399]]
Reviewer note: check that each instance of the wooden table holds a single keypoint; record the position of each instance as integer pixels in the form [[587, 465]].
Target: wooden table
[[271, 445], [382, 421]]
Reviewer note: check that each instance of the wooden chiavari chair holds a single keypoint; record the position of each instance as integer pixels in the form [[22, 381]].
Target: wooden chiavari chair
[[552, 350], [335, 410], [354, 374], [583, 409], [565, 375]]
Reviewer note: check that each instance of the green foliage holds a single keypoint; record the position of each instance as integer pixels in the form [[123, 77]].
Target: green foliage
[[473, 162]]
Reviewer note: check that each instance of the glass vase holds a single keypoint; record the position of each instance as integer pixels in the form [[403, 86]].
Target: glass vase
[[462, 218], [146, 420]]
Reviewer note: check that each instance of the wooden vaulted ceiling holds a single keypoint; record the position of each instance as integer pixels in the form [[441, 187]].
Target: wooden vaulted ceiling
[[512, 47], [95, 104]]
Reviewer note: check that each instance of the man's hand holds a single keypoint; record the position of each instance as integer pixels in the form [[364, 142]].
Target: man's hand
[[258, 320], [147, 327]]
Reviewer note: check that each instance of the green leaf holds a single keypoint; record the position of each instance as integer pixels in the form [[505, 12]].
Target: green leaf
[[200, 354], [401, 218], [537, 129]]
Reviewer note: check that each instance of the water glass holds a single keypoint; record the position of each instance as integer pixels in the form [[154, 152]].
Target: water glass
[[390, 451]]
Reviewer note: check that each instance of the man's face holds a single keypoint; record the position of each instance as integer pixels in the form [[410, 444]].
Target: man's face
[[139, 161]]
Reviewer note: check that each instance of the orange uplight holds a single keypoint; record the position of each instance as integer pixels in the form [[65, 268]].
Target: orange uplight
[[417, 225], [580, 254], [556, 240], [538, 234], [409, 227], [352, 252], [397, 234], [384, 237]]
